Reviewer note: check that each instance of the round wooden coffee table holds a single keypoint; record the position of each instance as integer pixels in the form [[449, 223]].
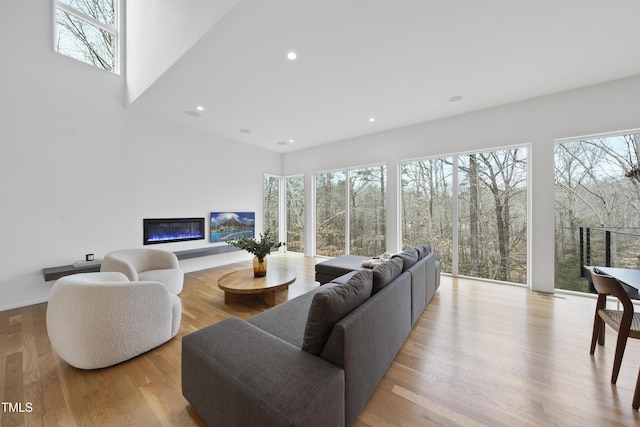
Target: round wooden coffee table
[[242, 284]]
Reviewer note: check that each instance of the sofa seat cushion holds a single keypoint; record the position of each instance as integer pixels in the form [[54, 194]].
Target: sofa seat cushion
[[287, 321], [235, 374], [330, 304], [171, 278], [338, 266], [384, 273]]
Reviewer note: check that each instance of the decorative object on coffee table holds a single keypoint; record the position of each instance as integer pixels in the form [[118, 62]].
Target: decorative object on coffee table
[[260, 249]]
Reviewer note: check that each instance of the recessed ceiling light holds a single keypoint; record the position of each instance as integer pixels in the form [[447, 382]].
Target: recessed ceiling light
[[200, 108], [244, 130], [372, 119], [292, 55], [291, 141], [455, 98], [192, 113]]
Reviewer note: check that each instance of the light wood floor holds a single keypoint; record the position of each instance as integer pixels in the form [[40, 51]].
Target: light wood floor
[[481, 355]]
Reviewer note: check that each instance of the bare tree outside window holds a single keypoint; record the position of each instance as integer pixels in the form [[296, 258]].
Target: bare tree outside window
[[492, 221], [86, 31]]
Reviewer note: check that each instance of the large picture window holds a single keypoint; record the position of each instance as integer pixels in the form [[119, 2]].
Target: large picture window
[[472, 209], [492, 215], [367, 211], [597, 188], [427, 206], [284, 209], [295, 213], [331, 213], [272, 204], [351, 211], [87, 30]]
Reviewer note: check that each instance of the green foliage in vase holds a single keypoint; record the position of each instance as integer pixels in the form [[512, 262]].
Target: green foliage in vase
[[259, 248]]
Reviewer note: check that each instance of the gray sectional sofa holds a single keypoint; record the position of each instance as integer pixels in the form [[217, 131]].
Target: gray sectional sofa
[[427, 271], [314, 360]]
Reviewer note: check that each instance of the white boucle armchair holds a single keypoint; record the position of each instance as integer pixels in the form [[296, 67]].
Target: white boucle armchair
[[95, 320], [147, 264]]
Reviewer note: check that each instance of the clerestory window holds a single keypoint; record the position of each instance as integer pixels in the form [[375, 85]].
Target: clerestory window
[[87, 30]]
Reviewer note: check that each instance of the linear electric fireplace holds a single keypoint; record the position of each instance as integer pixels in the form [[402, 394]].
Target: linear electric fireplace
[[165, 230]]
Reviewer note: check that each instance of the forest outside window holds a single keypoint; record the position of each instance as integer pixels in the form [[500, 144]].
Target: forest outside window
[[472, 209], [350, 209], [272, 204], [86, 30], [427, 206], [597, 186], [295, 213], [331, 213], [492, 215], [284, 209]]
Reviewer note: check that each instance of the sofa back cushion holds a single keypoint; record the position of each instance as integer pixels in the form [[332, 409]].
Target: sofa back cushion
[[423, 250], [330, 305], [408, 257], [385, 273]]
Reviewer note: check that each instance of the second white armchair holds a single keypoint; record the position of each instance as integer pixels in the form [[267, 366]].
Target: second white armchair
[[146, 264]]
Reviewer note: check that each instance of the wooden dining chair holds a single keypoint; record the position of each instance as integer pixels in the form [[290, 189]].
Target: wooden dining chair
[[625, 321]]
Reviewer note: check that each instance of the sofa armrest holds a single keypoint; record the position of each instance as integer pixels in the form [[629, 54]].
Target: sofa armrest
[[366, 341], [344, 278], [236, 374], [419, 285], [432, 275]]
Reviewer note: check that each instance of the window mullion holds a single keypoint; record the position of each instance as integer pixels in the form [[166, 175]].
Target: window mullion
[[347, 222], [282, 209], [455, 216], [91, 20]]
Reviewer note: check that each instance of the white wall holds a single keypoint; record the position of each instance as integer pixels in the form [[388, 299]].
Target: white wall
[[79, 172], [598, 109], [159, 32]]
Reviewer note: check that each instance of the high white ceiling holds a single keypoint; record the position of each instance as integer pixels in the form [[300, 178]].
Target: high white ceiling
[[398, 61]]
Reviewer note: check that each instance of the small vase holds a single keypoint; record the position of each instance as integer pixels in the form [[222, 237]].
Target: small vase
[[259, 267]]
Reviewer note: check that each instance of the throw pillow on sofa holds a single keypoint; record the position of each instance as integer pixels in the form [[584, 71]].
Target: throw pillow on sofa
[[330, 305], [384, 273]]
